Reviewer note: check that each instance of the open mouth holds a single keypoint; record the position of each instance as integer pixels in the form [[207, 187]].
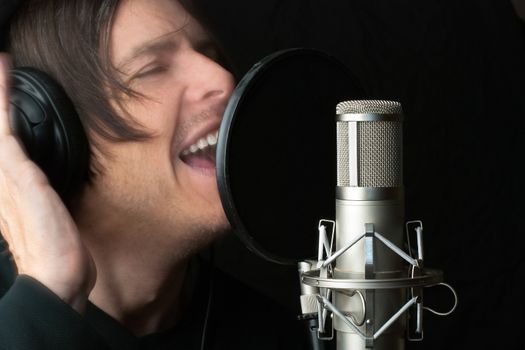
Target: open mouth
[[201, 155]]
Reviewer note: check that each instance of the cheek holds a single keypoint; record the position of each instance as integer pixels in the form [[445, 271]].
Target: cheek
[[157, 113], [138, 170]]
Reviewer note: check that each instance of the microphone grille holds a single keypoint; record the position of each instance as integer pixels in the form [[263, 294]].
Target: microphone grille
[[369, 106], [370, 153]]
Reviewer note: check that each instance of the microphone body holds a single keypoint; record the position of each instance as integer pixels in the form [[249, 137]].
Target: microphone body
[[369, 200]]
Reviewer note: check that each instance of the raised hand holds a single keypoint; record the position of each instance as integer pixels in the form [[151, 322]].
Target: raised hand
[[41, 234]]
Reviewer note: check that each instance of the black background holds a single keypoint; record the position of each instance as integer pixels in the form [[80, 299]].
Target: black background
[[458, 67]]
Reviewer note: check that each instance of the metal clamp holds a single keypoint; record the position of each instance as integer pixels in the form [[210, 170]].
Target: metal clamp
[[430, 277], [415, 279]]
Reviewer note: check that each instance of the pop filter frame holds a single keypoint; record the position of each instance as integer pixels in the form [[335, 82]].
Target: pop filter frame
[[232, 178]]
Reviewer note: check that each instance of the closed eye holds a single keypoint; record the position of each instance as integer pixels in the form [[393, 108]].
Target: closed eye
[[151, 70]]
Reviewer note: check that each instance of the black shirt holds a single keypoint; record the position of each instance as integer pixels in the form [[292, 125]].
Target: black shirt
[[32, 317]]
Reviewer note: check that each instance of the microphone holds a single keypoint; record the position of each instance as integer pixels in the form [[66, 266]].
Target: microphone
[[365, 281], [369, 196]]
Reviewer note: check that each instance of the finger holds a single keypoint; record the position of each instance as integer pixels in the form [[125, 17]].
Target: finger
[[4, 94], [13, 159]]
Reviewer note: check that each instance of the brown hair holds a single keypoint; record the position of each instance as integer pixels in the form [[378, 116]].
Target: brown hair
[[69, 40]]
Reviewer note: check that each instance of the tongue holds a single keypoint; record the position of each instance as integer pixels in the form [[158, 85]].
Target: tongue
[[200, 160]]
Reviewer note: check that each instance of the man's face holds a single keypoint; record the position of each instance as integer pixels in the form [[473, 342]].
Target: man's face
[[164, 184]]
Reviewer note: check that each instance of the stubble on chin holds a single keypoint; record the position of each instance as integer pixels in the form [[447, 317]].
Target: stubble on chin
[[201, 234]]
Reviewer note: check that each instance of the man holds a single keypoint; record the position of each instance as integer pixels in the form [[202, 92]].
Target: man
[[146, 81]]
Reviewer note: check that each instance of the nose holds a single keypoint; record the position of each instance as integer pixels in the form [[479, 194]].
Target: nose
[[208, 80]]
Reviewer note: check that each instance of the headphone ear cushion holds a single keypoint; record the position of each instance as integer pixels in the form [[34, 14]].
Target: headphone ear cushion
[[43, 117]]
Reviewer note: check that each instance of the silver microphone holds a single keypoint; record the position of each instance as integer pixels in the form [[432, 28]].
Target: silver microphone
[[369, 198], [367, 281]]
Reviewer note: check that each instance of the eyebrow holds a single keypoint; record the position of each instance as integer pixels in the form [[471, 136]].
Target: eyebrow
[[163, 43]]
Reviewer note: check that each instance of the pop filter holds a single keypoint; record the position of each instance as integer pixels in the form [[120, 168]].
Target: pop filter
[[276, 154]]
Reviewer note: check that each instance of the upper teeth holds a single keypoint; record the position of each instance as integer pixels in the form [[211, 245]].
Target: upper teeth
[[205, 142]]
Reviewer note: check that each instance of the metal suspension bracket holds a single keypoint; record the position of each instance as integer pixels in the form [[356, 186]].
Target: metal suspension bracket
[[417, 278], [416, 292]]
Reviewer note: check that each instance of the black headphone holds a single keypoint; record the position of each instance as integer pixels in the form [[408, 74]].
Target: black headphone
[[45, 120]]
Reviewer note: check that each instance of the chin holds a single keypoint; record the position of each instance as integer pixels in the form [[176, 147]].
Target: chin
[[209, 219], [221, 224]]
